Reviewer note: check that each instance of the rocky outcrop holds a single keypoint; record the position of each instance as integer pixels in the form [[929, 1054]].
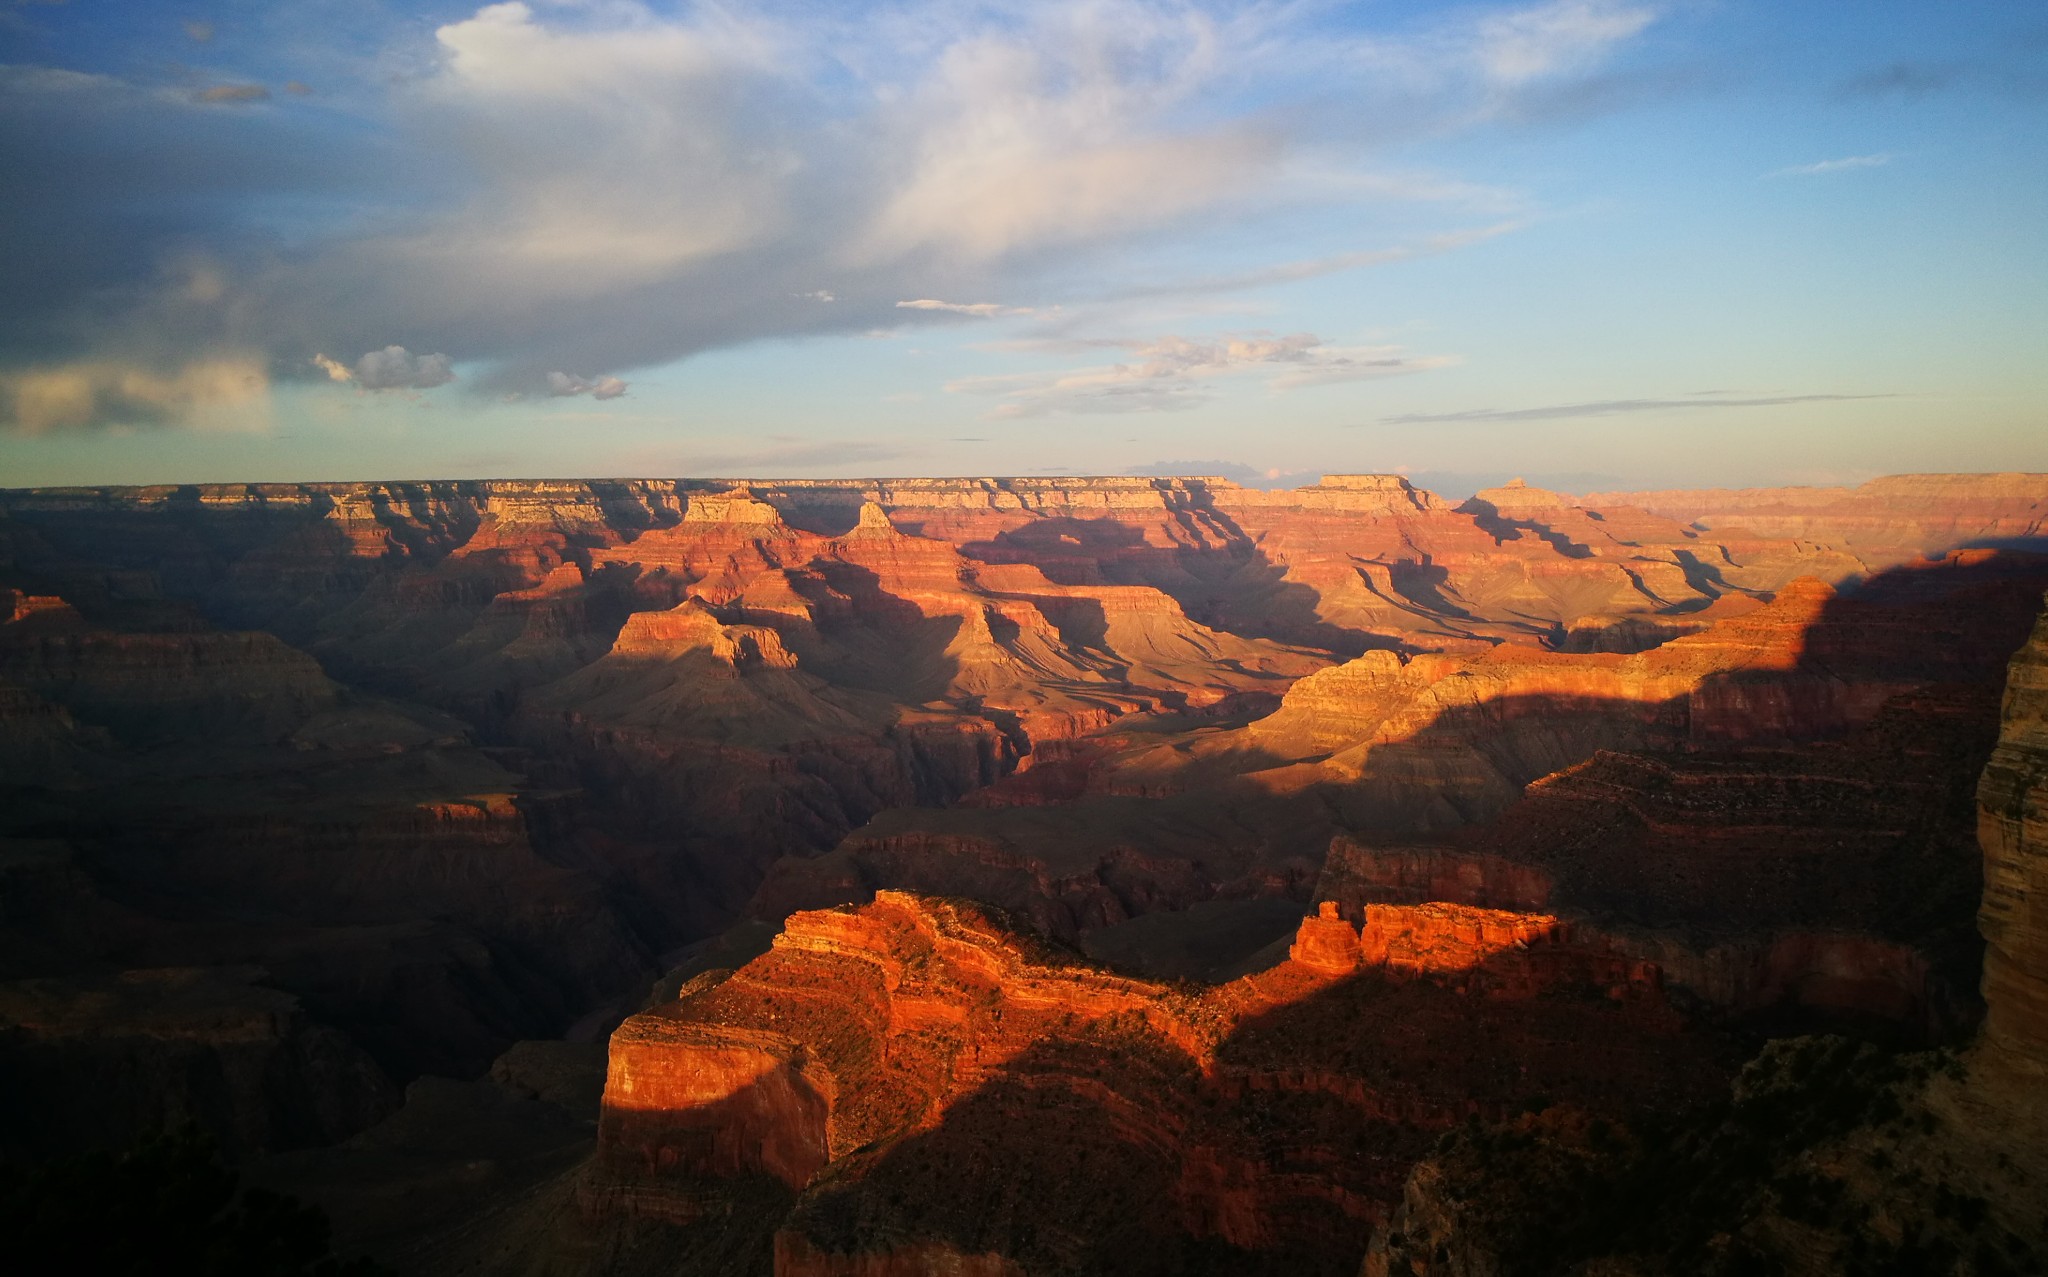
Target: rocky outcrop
[[1831, 1156], [2013, 830], [942, 1089]]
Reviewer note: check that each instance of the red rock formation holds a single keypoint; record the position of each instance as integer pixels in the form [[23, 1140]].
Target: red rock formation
[[1488, 950], [945, 1091]]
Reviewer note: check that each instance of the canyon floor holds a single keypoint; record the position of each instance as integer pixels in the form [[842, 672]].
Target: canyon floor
[[1043, 875]]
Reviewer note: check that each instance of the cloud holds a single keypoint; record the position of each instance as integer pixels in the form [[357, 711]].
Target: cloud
[[1570, 35], [229, 392], [393, 368], [1168, 374], [561, 384], [612, 186], [1615, 407], [1313, 268], [1835, 166], [1070, 125], [980, 310], [1903, 79], [233, 94], [1235, 471], [201, 32]]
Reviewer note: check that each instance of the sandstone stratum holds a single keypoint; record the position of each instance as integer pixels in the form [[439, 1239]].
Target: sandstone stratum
[[1020, 875]]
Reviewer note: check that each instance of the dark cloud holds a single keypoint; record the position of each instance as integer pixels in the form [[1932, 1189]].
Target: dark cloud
[[1611, 408], [1903, 80], [149, 218]]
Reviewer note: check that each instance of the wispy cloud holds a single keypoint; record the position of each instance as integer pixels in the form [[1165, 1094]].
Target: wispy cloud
[[1530, 44], [562, 385], [1170, 374], [980, 310], [1615, 408], [1313, 268], [1847, 162]]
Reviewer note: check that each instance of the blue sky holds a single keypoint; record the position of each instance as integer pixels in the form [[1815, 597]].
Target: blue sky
[[1596, 242]]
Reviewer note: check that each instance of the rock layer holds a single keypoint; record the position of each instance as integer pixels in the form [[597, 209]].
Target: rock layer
[[947, 1092], [2013, 830]]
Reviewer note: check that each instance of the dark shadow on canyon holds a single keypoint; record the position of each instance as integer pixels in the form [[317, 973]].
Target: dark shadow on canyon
[[1109, 1150]]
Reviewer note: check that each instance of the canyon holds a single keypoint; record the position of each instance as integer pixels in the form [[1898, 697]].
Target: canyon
[[1031, 875]]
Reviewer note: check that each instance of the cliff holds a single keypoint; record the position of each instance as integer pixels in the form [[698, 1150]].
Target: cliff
[[939, 1088], [1831, 1156], [2013, 831]]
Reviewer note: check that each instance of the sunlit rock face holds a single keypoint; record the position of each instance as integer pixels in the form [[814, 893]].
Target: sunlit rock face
[[947, 1093]]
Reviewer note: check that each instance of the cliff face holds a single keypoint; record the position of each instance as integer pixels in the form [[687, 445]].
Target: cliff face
[[2013, 830], [940, 1089], [1830, 1157]]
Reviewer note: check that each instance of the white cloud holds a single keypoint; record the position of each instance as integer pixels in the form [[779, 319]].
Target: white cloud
[[561, 385], [1847, 162], [392, 368], [612, 153], [1168, 374], [1067, 127]]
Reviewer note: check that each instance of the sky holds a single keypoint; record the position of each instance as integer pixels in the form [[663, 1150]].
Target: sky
[[1596, 243]]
